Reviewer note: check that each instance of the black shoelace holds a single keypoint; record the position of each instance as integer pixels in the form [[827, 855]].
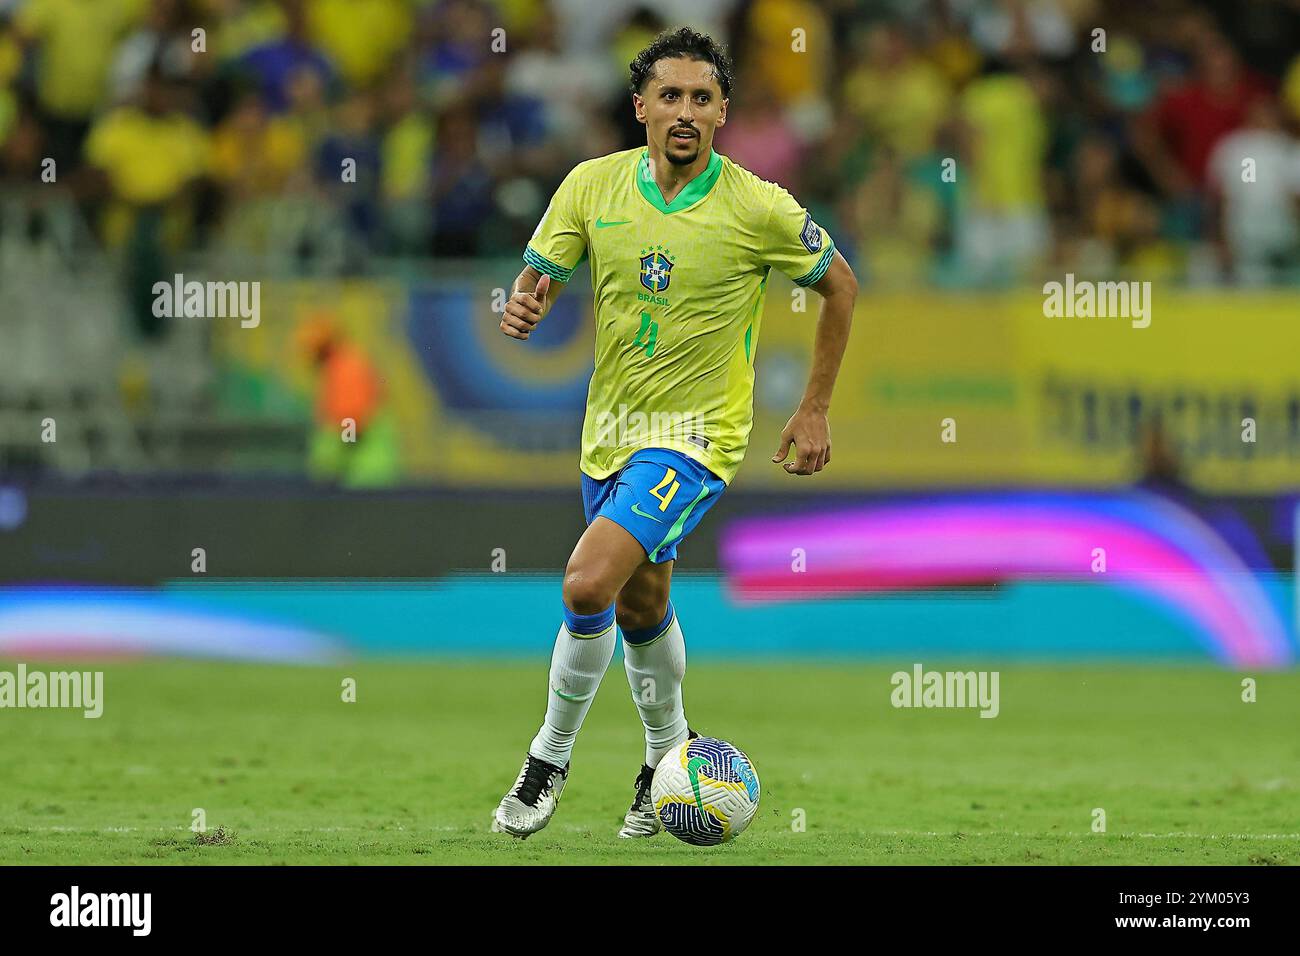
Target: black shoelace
[[643, 780], [537, 776]]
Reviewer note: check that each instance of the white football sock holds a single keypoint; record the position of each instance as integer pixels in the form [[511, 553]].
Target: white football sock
[[577, 665], [654, 672]]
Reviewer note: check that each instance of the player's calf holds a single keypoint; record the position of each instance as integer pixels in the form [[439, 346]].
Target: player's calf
[[583, 649]]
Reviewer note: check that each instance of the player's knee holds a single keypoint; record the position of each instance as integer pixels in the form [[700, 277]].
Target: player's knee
[[585, 593], [641, 609], [636, 619]]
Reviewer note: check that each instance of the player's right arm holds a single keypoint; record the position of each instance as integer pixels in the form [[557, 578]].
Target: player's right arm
[[558, 244], [531, 296]]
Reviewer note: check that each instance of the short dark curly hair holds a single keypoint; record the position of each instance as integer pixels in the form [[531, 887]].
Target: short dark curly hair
[[684, 42]]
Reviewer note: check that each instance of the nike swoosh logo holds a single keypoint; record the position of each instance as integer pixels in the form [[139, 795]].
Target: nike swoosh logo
[[693, 771], [636, 510], [602, 224], [561, 694]]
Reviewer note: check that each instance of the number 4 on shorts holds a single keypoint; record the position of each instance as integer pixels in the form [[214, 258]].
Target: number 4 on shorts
[[669, 476]]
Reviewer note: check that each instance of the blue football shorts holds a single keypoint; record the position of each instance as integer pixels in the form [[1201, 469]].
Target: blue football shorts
[[658, 497]]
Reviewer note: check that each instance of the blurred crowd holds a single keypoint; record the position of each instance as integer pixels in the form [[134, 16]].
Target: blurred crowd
[[952, 142]]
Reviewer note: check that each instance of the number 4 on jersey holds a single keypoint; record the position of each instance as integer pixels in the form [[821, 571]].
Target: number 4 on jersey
[[647, 326]]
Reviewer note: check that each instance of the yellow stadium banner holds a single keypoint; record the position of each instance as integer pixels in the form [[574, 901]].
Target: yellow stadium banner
[[1033, 400], [937, 390]]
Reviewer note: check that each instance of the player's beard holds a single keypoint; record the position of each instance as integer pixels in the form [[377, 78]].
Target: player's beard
[[678, 159]]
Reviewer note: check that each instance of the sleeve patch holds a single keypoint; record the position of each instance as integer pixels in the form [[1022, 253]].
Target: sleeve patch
[[811, 235]]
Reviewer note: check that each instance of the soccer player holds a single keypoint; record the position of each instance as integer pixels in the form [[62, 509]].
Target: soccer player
[[681, 242]]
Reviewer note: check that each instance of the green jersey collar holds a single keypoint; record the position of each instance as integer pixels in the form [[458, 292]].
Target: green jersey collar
[[691, 193]]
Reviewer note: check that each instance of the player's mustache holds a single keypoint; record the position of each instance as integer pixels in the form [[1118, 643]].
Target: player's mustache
[[684, 129]]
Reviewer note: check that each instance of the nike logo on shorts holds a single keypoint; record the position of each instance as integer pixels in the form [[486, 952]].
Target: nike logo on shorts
[[636, 510]]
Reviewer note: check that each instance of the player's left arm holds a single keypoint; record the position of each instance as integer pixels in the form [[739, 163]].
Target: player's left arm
[[809, 428]]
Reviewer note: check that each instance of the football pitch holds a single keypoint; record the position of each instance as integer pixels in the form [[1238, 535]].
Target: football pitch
[[284, 771]]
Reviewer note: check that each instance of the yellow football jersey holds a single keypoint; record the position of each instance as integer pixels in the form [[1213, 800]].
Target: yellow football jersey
[[678, 300]]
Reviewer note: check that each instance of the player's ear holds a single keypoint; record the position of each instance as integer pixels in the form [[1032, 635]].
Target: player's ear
[[722, 113], [638, 105]]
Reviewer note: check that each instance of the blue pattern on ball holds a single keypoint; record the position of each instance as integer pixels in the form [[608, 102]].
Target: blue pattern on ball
[[719, 755], [688, 824], [746, 773]]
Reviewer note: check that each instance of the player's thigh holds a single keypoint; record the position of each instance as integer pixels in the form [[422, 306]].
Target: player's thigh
[[643, 601], [605, 558]]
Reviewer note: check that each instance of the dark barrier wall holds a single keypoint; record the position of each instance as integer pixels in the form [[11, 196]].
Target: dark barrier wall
[[145, 535]]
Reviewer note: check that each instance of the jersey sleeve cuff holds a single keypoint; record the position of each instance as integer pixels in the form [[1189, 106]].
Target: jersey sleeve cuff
[[814, 275], [546, 266]]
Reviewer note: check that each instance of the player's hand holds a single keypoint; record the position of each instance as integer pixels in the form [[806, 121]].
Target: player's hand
[[525, 309], [810, 433]]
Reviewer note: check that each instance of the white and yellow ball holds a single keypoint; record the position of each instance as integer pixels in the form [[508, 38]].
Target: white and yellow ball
[[705, 791]]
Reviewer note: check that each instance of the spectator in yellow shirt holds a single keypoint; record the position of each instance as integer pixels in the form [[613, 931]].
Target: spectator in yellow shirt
[[255, 153], [901, 98], [74, 43], [149, 153], [1002, 228], [361, 37], [790, 44], [147, 158]]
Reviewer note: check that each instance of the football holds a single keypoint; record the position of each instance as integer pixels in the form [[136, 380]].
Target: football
[[705, 791]]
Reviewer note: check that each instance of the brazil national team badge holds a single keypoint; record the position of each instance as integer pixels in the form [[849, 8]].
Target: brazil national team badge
[[811, 235], [656, 269]]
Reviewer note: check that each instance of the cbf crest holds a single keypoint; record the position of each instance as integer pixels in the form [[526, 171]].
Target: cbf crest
[[811, 236], [656, 268]]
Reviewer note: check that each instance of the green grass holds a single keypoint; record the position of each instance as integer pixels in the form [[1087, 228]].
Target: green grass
[[287, 773]]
